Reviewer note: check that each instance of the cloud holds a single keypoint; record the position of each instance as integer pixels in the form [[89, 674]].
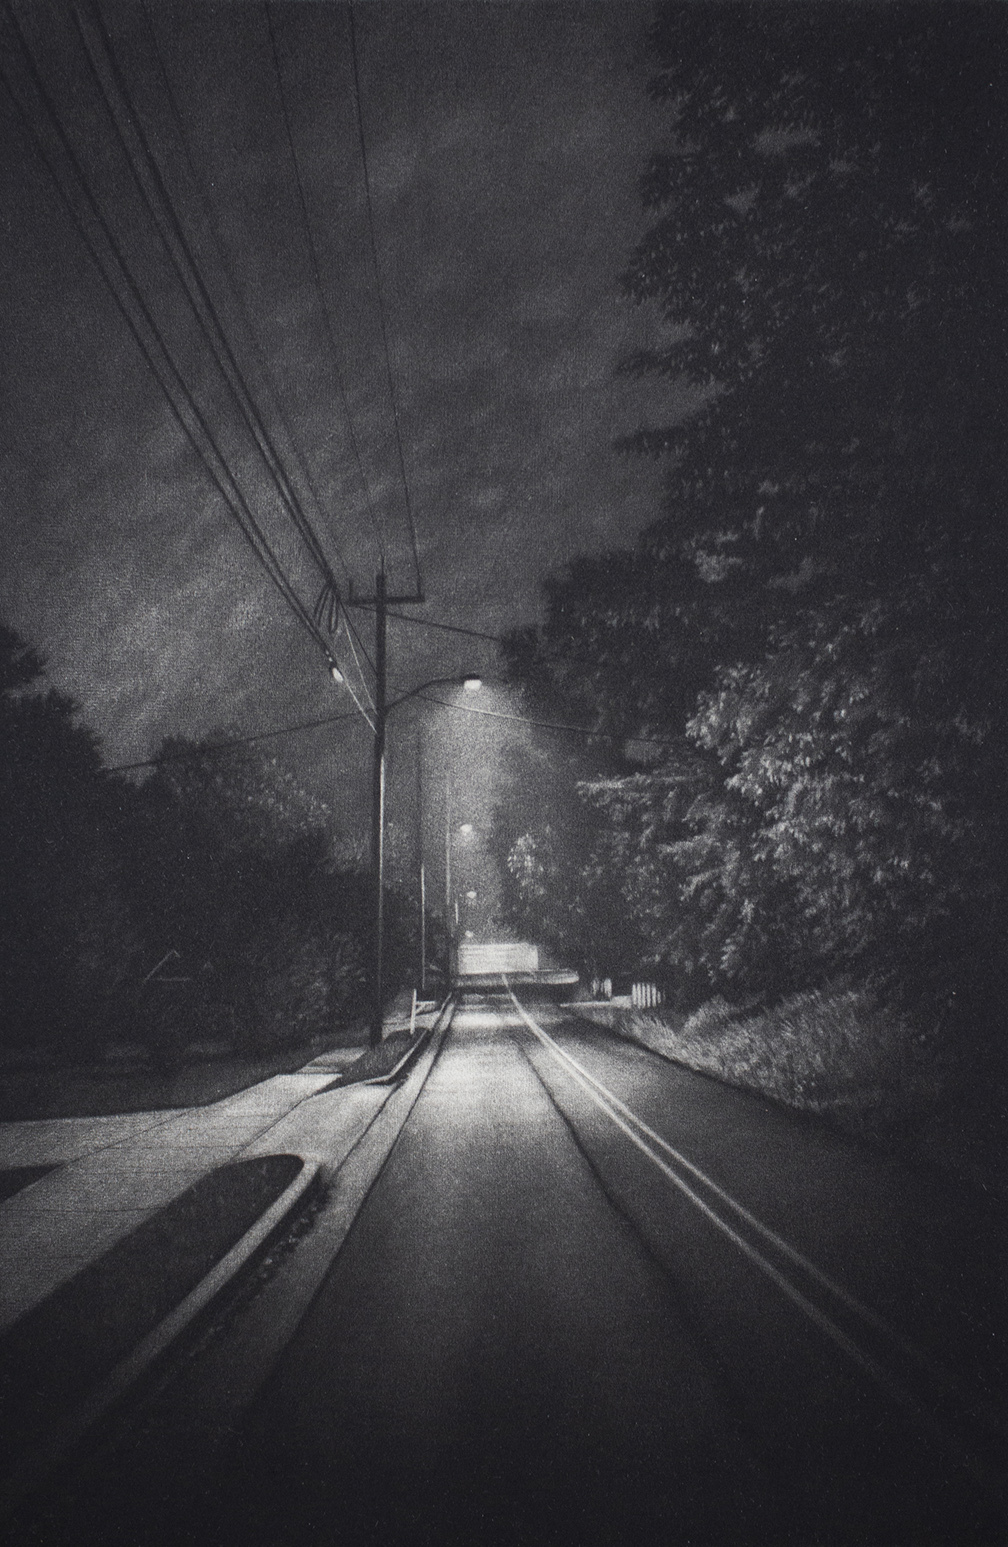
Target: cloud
[[504, 146]]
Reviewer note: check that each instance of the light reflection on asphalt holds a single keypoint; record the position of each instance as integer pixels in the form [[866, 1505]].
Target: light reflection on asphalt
[[483, 1021]]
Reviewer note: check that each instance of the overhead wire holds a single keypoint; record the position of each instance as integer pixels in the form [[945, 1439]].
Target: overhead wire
[[447, 628], [349, 687], [232, 495], [232, 281], [350, 714], [475, 633], [550, 725], [381, 299], [221, 476], [327, 604], [207, 316], [319, 288], [360, 669], [209, 748]]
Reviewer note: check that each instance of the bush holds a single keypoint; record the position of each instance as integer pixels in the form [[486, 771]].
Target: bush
[[839, 1052]]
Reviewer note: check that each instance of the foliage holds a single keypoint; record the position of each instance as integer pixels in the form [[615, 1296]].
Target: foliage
[[230, 873], [551, 850], [206, 904], [801, 662], [837, 1051], [67, 942]]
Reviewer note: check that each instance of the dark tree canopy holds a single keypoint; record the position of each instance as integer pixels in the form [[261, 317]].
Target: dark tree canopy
[[811, 634]]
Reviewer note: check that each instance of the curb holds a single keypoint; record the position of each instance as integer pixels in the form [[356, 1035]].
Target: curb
[[207, 1403], [413, 1051], [36, 1465]]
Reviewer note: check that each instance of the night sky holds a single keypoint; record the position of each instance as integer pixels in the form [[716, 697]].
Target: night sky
[[504, 145]]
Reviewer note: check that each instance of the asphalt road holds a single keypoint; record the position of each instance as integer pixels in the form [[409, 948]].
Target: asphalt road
[[593, 1298]]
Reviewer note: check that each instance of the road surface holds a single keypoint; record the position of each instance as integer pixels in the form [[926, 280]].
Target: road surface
[[594, 1298]]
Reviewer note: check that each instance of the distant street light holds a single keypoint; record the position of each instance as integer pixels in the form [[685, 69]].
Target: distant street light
[[466, 829]]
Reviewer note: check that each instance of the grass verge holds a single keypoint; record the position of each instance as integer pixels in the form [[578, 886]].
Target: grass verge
[[845, 1057]]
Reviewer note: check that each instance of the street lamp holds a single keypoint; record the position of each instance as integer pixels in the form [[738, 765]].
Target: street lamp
[[383, 708]]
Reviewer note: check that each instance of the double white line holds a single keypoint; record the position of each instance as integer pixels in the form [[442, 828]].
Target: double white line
[[671, 1163]]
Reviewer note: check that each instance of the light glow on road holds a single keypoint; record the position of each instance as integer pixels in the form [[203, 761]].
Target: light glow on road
[[481, 1020]]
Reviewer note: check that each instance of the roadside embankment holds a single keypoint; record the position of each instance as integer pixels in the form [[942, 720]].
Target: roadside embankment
[[845, 1057]]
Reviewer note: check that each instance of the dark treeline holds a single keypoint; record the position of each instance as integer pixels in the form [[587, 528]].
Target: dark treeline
[[800, 666], [205, 904]]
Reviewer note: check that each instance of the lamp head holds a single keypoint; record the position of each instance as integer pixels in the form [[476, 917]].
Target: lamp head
[[335, 673], [472, 684]]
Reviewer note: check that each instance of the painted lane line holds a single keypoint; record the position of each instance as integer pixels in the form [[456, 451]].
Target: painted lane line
[[854, 1305], [894, 1388]]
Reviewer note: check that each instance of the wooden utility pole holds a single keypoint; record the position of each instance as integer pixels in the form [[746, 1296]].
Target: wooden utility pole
[[380, 601], [447, 867], [378, 812], [421, 876]]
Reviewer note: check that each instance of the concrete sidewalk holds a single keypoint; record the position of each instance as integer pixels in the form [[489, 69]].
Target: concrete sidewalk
[[111, 1173]]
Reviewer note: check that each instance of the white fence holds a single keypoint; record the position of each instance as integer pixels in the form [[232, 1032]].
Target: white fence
[[643, 996]]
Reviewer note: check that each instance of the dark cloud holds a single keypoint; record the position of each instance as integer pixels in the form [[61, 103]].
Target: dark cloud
[[504, 147]]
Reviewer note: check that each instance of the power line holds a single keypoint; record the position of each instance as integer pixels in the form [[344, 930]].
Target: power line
[[475, 633], [225, 746], [448, 628], [232, 281], [361, 646], [233, 497], [349, 714], [317, 280], [351, 635], [189, 275], [218, 339], [549, 725], [381, 299]]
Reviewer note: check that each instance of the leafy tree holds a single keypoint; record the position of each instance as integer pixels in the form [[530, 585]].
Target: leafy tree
[[233, 875], [814, 628], [67, 943]]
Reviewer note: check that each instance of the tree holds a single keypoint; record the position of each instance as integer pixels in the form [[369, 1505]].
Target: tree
[[67, 941], [232, 872], [814, 627]]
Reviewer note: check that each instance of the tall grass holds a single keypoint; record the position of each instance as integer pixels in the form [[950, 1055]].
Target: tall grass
[[837, 1052]]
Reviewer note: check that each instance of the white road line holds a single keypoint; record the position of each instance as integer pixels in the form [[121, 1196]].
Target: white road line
[[623, 1117], [857, 1307]]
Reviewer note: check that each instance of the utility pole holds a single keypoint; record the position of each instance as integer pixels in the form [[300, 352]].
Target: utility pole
[[380, 601], [420, 863], [383, 708], [447, 866], [378, 812]]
